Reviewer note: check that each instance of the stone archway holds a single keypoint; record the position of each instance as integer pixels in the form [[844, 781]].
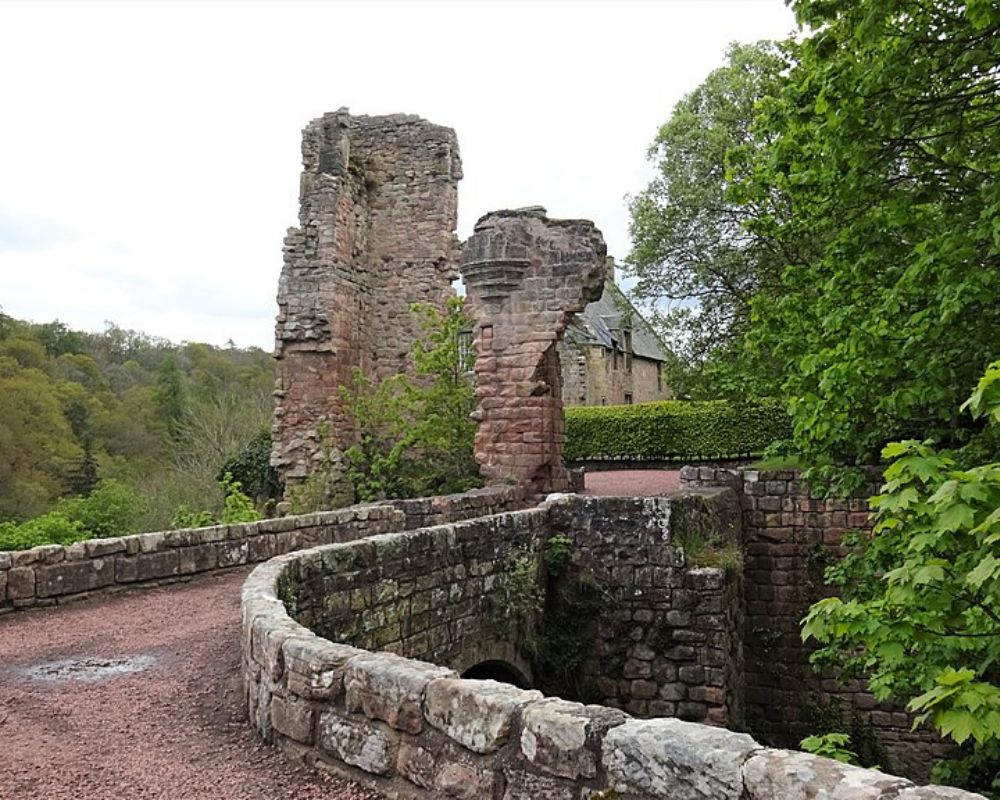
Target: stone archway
[[500, 671]]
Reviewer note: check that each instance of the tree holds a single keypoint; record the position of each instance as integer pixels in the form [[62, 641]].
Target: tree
[[416, 435], [697, 266], [918, 611], [883, 148]]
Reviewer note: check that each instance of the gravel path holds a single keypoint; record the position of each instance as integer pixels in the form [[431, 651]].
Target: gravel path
[[632, 483], [136, 697]]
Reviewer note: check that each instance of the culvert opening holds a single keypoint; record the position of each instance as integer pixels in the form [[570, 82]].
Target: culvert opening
[[499, 671]]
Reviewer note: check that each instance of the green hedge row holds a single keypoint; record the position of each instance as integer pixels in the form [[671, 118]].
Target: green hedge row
[[674, 430]]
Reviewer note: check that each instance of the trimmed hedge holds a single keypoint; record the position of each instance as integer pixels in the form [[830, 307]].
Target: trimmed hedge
[[674, 430]]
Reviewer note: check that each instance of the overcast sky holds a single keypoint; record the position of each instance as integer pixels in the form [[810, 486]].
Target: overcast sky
[[149, 151]]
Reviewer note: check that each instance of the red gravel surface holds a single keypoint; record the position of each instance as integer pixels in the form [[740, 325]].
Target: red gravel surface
[[138, 696], [632, 483]]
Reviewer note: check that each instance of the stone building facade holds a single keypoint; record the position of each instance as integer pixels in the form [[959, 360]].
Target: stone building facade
[[378, 212], [611, 356]]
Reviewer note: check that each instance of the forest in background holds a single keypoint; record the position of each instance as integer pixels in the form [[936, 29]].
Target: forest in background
[[80, 410]]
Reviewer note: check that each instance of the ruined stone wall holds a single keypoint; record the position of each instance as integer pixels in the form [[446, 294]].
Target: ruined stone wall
[[378, 210], [790, 537], [525, 276]]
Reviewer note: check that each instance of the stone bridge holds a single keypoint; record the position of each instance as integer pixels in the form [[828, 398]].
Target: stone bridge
[[412, 595], [354, 657]]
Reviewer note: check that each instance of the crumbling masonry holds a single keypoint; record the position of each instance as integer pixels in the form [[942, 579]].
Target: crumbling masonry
[[378, 210], [377, 233], [526, 275]]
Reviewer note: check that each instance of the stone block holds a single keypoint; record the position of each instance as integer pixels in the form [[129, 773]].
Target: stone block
[[521, 785], [390, 688], [20, 583], [479, 715], [562, 738], [465, 782], [126, 568], [417, 765], [153, 565], [233, 553], [676, 759], [293, 718], [364, 745], [43, 554], [96, 548], [791, 775], [314, 667], [73, 577], [197, 558]]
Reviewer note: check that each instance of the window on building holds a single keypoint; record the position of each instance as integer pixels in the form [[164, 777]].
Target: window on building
[[628, 398], [465, 351]]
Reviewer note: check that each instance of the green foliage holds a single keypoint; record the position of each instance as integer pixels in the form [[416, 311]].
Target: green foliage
[[517, 598], [81, 408], [251, 467], [918, 611], [416, 435], [697, 267], [237, 507], [830, 745], [110, 510], [557, 553], [848, 737], [883, 153], [673, 430]]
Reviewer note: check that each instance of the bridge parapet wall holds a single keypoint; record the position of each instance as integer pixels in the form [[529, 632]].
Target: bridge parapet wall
[[414, 729], [54, 574]]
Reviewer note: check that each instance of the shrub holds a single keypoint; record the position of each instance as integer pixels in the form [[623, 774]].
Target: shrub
[[674, 429], [110, 510]]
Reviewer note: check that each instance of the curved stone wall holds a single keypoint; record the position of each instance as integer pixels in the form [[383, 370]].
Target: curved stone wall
[[414, 729]]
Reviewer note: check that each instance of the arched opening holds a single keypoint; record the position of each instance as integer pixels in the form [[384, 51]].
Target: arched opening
[[497, 671]]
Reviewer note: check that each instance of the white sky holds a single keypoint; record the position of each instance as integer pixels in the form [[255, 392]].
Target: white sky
[[149, 151]]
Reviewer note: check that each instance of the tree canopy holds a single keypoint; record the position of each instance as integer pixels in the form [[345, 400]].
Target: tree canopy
[[883, 147], [78, 409], [698, 268]]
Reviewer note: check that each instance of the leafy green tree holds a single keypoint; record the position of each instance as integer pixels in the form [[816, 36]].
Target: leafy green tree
[[38, 450], [883, 148], [416, 435], [170, 397], [918, 611], [251, 467], [697, 266]]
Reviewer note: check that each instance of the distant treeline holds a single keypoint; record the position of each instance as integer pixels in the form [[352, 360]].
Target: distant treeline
[[160, 418]]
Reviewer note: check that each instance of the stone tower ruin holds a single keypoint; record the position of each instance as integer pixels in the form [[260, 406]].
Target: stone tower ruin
[[378, 211], [525, 276]]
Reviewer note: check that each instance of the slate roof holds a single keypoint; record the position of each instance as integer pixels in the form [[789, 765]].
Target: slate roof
[[600, 324]]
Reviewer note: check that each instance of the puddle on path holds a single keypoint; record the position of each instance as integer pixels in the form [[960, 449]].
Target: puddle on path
[[91, 669]]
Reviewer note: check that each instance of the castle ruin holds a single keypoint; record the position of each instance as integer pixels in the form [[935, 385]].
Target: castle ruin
[[378, 211], [377, 220]]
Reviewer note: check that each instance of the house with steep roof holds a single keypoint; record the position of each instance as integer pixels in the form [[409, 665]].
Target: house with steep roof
[[610, 355]]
